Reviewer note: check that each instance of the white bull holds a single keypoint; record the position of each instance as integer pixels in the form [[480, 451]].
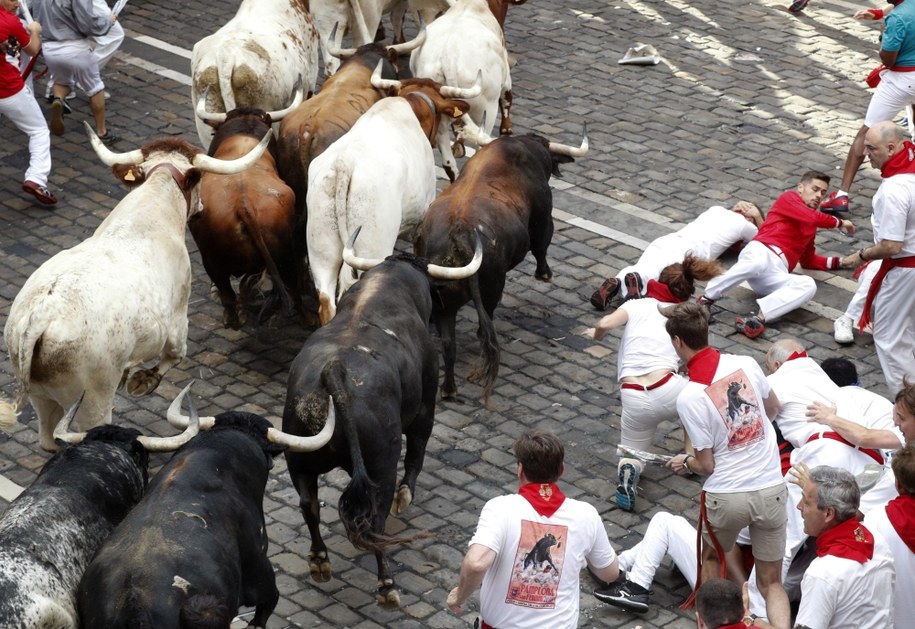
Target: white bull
[[116, 300], [380, 175], [362, 18], [255, 59], [465, 40]]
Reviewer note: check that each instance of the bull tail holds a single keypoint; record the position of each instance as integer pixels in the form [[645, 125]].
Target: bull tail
[[224, 69], [22, 344], [347, 275], [486, 371], [279, 286], [358, 506]]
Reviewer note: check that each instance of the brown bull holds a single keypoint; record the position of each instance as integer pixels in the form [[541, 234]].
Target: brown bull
[[246, 221]]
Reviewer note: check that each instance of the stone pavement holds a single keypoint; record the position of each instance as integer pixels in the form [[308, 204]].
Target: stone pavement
[[746, 98]]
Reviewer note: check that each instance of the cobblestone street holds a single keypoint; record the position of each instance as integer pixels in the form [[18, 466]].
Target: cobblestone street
[[746, 98]]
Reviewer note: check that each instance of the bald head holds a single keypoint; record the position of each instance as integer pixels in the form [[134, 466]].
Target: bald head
[[780, 351], [882, 141]]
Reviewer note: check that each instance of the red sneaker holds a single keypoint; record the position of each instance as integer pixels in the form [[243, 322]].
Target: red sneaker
[[751, 326], [39, 192], [834, 204]]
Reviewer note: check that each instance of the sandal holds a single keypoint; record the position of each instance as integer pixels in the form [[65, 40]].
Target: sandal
[[109, 138], [39, 192]]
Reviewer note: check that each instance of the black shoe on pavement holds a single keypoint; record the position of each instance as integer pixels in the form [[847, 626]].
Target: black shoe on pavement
[[626, 595], [797, 6]]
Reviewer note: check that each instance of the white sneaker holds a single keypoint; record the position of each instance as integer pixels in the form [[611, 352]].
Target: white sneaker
[[843, 330]]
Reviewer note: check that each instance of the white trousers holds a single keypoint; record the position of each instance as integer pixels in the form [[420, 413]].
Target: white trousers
[[767, 274], [643, 411], [23, 111], [106, 45], [856, 304], [667, 534], [894, 327]]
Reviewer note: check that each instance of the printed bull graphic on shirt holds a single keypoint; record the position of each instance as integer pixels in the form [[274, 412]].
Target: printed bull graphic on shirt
[[736, 404], [731, 396], [537, 569]]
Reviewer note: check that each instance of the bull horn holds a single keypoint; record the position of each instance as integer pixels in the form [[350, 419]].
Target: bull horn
[[62, 430], [170, 444], [339, 53], [216, 118], [296, 443], [360, 264], [297, 97], [449, 91], [472, 132], [461, 272], [109, 157], [383, 84], [413, 44], [176, 419], [571, 151], [229, 167]]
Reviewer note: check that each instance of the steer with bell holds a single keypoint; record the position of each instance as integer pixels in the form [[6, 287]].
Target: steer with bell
[[198, 530], [118, 299], [380, 175], [503, 193], [377, 363]]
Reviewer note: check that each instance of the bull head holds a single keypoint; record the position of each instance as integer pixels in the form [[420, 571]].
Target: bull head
[[201, 161], [447, 91], [395, 50], [435, 271], [152, 444], [294, 443]]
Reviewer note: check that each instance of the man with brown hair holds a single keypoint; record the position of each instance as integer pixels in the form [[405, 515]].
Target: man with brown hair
[[530, 547], [785, 240], [726, 410]]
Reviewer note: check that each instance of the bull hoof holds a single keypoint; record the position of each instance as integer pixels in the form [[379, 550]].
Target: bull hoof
[[143, 382], [47, 443], [458, 150], [319, 566], [214, 293], [402, 499], [505, 129], [544, 275], [234, 318], [387, 597]]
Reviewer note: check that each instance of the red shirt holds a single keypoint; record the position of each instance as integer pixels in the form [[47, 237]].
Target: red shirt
[[10, 76], [792, 226]]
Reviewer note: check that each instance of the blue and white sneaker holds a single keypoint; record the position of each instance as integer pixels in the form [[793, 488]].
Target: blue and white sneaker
[[625, 491]]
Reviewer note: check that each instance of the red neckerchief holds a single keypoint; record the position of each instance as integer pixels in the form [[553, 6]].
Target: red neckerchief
[[800, 354], [901, 513], [661, 292], [901, 163], [848, 540], [546, 498], [703, 365]]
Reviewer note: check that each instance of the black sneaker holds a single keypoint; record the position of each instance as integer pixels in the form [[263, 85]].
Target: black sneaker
[[750, 326], [797, 6], [607, 291], [626, 595], [633, 284]]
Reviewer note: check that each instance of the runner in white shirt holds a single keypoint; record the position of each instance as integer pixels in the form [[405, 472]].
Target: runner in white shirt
[[726, 410], [707, 237], [530, 547], [850, 583], [647, 364]]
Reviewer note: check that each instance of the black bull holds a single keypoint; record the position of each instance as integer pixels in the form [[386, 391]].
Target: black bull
[[504, 192], [199, 530], [377, 361]]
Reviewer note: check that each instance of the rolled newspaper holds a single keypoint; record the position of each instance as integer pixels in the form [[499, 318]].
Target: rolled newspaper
[[642, 455], [24, 7], [118, 7]]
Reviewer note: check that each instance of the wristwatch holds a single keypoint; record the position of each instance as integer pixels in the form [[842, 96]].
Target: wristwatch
[[750, 620]]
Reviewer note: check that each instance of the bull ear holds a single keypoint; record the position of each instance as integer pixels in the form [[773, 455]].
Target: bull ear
[[191, 178], [557, 160], [131, 175], [456, 109]]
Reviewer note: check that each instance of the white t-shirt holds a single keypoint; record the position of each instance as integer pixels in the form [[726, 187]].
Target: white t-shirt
[[645, 346], [841, 593], [894, 212], [878, 523], [715, 230], [799, 383], [533, 583], [729, 417], [870, 410]]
